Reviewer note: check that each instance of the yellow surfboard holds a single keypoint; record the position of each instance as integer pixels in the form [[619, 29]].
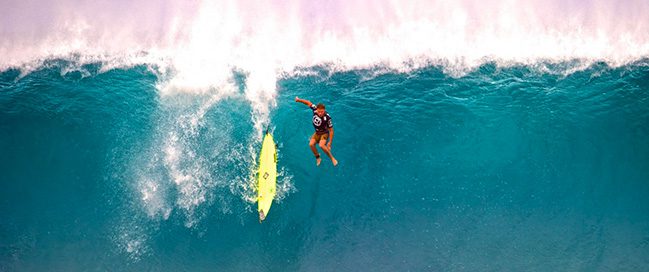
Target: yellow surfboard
[[266, 176]]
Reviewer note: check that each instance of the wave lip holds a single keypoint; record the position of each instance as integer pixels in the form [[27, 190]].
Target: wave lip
[[203, 42]]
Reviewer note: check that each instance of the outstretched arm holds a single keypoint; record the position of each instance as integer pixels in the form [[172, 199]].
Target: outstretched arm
[[303, 101]]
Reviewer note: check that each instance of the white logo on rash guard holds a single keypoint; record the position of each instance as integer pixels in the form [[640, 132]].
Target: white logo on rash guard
[[317, 121]]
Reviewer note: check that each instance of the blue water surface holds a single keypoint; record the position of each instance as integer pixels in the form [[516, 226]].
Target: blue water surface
[[516, 168]]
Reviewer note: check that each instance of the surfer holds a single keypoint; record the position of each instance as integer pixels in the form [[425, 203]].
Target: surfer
[[324, 130]]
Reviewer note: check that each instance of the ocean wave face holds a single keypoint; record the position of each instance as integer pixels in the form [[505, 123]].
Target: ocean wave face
[[471, 135]]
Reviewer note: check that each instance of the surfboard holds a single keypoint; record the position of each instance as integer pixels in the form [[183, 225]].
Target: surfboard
[[266, 176]]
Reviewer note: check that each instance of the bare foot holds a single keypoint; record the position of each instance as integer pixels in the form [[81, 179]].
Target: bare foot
[[317, 161], [334, 161]]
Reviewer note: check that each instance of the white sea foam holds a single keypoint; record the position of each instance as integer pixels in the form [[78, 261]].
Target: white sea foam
[[200, 42], [131, 240]]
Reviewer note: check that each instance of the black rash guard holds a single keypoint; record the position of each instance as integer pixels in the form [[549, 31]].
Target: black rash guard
[[321, 124]]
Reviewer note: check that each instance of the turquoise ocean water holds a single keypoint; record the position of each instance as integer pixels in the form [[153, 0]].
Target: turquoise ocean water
[[471, 135], [503, 168]]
